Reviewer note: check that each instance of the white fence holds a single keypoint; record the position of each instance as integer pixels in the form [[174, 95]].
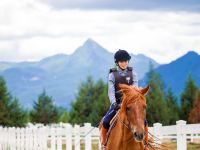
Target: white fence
[[179, 132], [65, 137]]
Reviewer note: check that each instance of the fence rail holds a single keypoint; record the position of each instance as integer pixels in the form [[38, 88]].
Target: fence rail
[[64, 136]]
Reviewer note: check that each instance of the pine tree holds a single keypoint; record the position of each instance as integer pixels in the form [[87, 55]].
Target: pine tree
[[172, 106], [11, 113], [5, 99], [91, 102], [156, 104], [187, 97], [19, 117], [44, 111], [194, 115], [101, 103], [81, 107], [64, 115]]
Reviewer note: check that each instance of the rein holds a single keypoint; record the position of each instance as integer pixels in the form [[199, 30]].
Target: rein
[[127, 126], [130, 129]]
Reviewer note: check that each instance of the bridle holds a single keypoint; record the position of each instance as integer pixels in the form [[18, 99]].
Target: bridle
[[128, 126]]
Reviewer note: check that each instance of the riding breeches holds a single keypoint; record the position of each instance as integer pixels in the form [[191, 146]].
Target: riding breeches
[[108, 117]]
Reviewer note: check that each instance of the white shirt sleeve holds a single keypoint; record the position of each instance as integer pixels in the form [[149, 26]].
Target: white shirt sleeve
[[111, 88]]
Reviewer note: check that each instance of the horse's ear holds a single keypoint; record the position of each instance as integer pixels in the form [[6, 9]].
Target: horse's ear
[[145, 90]]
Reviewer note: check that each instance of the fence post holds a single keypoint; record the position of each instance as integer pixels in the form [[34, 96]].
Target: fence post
[[18, 138], [88, 139], [44, 138], [68, 136], [53, 139], [15, 137], [157, 127], [8, 137], [27, 138], [59, 137], [22, 143], [77, 137], [181, 136], [12, 138], [31, 137], [40, 138], [35, 130], [1, 137]]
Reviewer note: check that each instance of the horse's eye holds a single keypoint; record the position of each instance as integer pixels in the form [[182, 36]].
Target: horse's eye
[[128, 109]]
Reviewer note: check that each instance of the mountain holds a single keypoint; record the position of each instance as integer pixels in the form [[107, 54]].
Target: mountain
[[176, 72], [60, 75], [5, 65], [54, 63]]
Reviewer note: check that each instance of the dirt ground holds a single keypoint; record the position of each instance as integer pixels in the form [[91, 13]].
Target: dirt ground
[[168, 146], [190, 146]]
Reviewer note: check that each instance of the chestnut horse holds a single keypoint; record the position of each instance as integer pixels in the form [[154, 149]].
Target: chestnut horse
[[128, 133]]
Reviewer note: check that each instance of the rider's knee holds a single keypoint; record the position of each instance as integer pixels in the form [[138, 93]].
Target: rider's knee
[[106, 123]]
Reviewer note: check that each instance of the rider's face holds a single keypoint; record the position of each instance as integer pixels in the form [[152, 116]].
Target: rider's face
[[123, 64]]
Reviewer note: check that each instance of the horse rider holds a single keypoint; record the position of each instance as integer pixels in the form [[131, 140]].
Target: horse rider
[[122, 74]]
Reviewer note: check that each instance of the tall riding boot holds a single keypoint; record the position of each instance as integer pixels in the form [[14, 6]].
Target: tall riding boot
[[103, 137]]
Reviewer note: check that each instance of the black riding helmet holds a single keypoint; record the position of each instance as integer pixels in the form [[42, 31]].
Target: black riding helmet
[[121, 55]]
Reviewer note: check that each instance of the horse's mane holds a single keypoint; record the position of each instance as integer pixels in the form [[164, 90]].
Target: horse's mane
[[130, 94]]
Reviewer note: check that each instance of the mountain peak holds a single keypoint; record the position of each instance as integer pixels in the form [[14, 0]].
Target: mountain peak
[[191, 53], [91, 44], [90, 41], [189, 56], [90, 47]]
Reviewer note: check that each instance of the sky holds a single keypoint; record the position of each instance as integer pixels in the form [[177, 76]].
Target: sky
[[34, 29]]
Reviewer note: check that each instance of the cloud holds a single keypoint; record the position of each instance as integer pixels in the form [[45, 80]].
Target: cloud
[[192, 5], [31, 30], [8, 50]]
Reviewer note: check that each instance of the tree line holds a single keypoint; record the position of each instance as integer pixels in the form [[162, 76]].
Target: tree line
[[43, 111], [91, 104]]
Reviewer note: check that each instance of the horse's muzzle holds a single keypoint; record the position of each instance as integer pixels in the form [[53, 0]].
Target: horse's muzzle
[[139, 136]]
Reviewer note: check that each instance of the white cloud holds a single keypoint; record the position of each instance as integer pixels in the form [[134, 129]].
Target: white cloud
[[30, 30]]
